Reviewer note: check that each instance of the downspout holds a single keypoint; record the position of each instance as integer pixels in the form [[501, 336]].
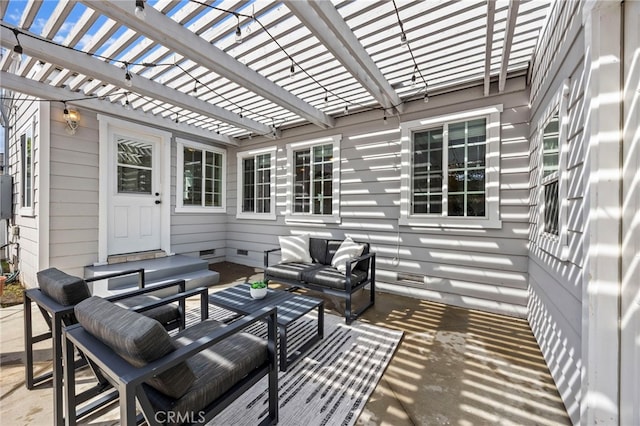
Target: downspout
[[621, 205]]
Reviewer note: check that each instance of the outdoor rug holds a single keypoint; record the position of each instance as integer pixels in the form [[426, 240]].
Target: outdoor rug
[[330, 384]]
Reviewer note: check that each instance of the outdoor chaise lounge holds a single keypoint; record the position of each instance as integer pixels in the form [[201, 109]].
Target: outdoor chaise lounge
[[188, 378], [56, 298]]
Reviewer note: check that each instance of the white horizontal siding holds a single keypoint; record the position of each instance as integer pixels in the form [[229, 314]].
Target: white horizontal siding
[[74, 174], [481, 269], [555, 286]]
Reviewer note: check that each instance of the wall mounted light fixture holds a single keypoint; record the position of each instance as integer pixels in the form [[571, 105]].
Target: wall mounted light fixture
[[72, 118]]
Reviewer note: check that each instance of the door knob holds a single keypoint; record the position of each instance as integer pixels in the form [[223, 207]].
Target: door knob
[[158, 201], [157, 194]]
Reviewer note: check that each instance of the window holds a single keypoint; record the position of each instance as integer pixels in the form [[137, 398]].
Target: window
[[550, 173], [314, 180], [201, 178], [26, 171], [552, 197], [451, 170], [256, 184]]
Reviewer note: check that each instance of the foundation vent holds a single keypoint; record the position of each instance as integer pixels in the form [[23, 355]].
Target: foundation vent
[[406, 277], [209, 252], [242, 252]]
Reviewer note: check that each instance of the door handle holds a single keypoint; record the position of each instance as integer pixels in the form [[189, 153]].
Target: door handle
[[158, 201]]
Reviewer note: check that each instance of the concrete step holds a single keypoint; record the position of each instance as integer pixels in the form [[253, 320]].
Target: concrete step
[[193, 270]]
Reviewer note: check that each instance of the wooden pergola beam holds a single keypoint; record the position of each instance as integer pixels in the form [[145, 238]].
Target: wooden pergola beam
[[328, 26], [45, 91], [112, 74], [512, 16], [171, 34], [491, 13]]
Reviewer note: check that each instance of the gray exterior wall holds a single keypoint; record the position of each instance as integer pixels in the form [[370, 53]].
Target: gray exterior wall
[[555, 285], [25, 250], [482, 269]]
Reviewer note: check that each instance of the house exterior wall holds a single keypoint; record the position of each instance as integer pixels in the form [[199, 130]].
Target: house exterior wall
[[584, 302], [74, 207], [555, 285], [24, 235], [474, 268], [630, 274], [74, 193]]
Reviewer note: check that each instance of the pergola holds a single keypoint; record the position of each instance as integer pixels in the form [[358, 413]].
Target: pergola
[[231, 70]]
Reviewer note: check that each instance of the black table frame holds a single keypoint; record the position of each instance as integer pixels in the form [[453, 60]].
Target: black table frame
[[290, 307]]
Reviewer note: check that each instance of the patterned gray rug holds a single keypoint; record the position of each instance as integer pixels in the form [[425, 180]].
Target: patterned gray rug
[[330, 384]]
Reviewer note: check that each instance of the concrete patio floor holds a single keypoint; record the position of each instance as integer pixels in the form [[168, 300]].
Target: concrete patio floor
[[453, 367]]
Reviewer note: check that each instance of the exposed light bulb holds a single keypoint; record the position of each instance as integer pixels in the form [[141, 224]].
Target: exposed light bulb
[[292, 70], [384, 118], [326, 98], [426, 98], [403, 39], [127, 105], [413, 81], [127, 79], [346, 109], [17, 52], [238, 34], [139, 11]]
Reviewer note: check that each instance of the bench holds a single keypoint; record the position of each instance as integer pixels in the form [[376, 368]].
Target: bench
[[320, 275]]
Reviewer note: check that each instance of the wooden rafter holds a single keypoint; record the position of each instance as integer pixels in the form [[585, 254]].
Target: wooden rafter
[[491, 12], [112, 74], [512, 16], [169, 33], [45, 91], [327, 25]]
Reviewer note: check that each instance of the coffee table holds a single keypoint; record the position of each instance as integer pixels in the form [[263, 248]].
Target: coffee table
[[290, 307]]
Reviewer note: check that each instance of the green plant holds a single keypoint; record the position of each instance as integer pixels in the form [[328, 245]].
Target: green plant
[[259, 284]]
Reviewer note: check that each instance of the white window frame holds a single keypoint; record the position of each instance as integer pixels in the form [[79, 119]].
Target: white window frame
[[180, 207], [492, 172], [241, 156], [30, 131], [556, 245], [334, 217]]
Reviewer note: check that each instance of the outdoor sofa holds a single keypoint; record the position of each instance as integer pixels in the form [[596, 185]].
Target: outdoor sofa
[[318, 270]]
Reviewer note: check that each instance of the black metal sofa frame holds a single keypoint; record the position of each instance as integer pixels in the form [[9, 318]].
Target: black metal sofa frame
[[57, 316], [321, 276], [129, 381]]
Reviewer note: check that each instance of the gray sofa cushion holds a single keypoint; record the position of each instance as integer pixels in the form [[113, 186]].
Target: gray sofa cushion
[[291, 271], [65, 289], [330, 277], [136, 338], [217, 368]]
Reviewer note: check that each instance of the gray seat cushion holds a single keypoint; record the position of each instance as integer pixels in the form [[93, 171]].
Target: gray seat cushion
[[292, 270], [136, 338], [65, 289], [217, 368], [330, 277]]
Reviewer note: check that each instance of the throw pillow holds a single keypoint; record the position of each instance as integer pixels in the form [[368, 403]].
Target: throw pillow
[[347, 251], [295, 249]]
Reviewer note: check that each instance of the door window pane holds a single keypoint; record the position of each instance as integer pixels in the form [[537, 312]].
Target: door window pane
[[134, 167]]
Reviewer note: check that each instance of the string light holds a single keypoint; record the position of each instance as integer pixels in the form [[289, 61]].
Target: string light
[[17, 49], [127, 76], [384, 117], [426, 98], [292, 70], [413, 77], [126, 104], [195, 87], [346, 109], [139, 10], [238, 31], [177, 115], [326, 98], [403, 39]]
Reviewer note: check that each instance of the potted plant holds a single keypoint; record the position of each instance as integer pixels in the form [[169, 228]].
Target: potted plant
[[258, 289]]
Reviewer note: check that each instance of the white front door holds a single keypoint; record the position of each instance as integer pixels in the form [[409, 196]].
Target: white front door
[[135, 204]]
